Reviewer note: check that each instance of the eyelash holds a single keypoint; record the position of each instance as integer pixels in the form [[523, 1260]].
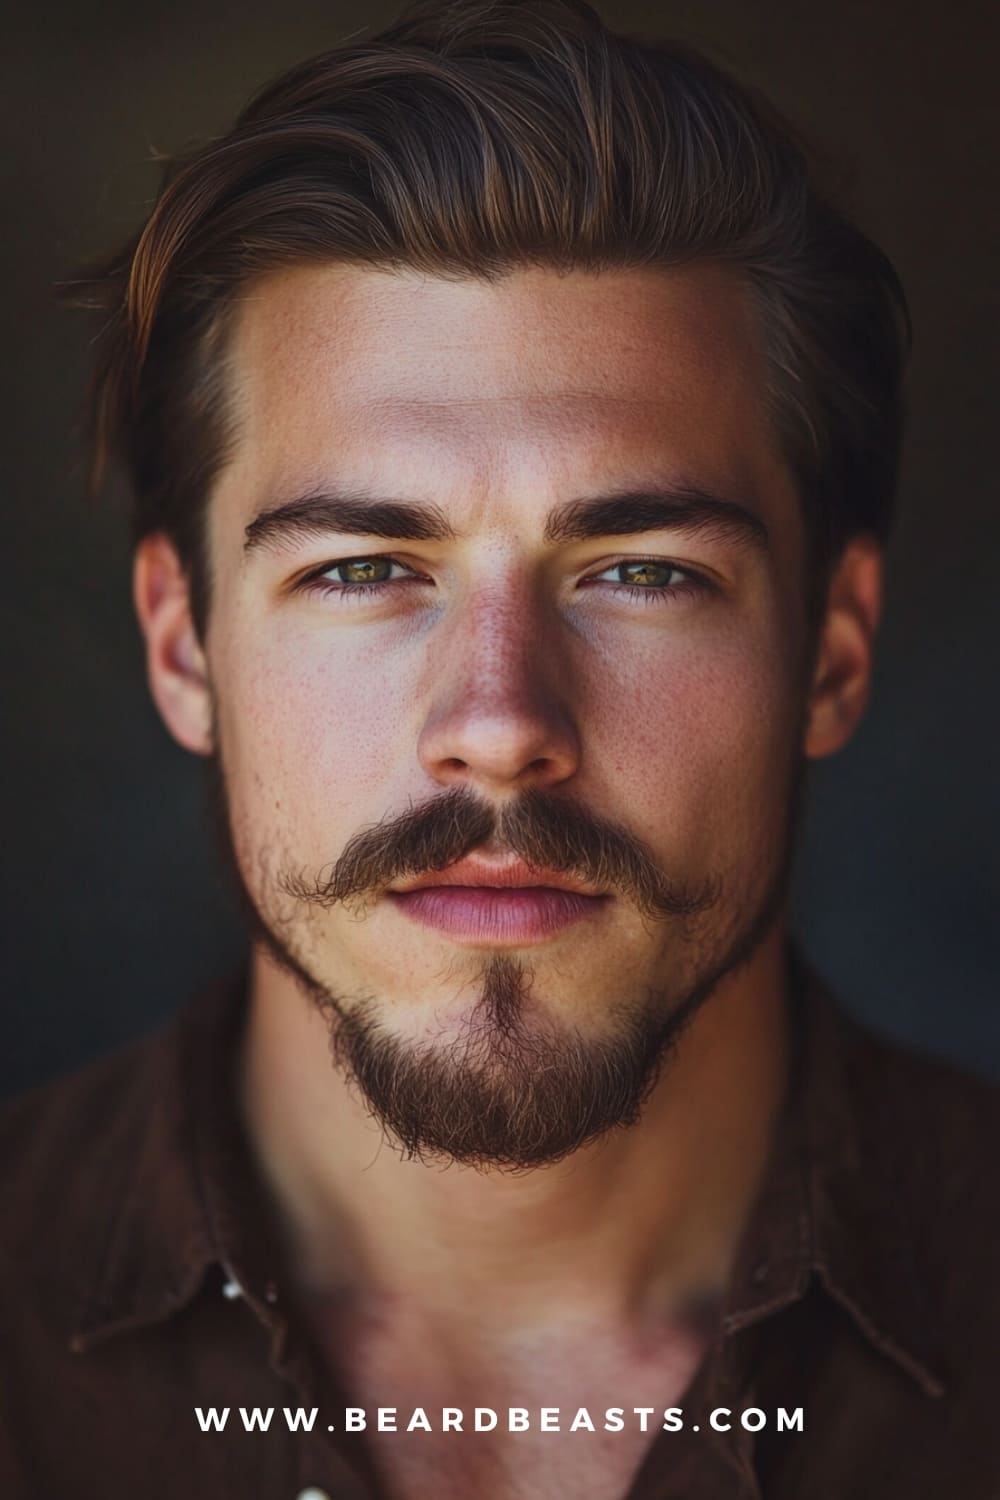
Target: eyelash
[[692, 583]]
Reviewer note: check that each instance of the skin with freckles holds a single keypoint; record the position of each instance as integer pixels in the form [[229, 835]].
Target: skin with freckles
[[660, 680], [675, 716]]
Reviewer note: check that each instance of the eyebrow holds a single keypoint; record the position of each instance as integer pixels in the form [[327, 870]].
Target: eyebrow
[[680, 508], [315, 515], [625, 513]]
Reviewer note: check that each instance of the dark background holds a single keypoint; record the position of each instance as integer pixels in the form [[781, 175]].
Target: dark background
[[113, 902]]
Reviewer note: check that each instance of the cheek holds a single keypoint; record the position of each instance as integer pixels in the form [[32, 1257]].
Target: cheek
[[311, 737], [697, 737]]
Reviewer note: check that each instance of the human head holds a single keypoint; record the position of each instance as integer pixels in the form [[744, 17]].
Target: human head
[[427, 240]]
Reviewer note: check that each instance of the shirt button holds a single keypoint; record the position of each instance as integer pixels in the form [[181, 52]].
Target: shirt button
[[231, 1288], [312, 1493], [760, 1272]]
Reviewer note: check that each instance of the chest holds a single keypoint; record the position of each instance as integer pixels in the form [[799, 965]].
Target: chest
[[515, 1465], [550, 1416]]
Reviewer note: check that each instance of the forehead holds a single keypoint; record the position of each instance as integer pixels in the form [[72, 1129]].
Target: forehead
[[541, 379]]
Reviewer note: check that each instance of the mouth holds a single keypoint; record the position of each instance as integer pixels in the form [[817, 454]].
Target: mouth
[[497, 904]]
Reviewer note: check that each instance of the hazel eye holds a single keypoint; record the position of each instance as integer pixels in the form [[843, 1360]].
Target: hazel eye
[[353, 580], [363, 570], [651, 580], [645, 573], [652, 575]]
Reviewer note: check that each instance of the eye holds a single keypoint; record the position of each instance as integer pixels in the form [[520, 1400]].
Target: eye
[[644, 574], [356, 576], [649, 576], [363, 570]]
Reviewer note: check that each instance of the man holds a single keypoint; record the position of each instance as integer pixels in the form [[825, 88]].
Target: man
[[513, 429]]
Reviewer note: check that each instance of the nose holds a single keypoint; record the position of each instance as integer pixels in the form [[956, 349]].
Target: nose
[[497, 720]]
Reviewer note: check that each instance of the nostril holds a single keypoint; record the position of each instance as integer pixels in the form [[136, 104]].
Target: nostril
[[452, 763]]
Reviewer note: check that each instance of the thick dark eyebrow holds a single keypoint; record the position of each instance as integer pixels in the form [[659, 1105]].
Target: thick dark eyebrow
[[312, 516], [628, 513], [634, 511]]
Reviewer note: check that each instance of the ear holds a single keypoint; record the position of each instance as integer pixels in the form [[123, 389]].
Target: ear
[[175, 662], [843, 670]]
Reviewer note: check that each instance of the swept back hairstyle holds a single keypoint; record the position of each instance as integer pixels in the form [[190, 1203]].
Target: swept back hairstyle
[[471, 137]]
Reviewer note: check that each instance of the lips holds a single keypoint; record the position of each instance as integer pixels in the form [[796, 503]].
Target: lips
[[497, 903]]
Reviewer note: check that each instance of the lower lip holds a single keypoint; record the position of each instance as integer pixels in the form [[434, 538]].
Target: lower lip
[[486, 914]]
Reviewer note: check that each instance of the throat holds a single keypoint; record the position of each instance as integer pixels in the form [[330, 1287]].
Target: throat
[[402, 1357]]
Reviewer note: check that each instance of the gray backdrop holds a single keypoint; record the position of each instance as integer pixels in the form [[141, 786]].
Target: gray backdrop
[[113, 903]]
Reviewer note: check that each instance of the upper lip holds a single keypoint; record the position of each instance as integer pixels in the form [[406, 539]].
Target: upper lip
[[512, 874]]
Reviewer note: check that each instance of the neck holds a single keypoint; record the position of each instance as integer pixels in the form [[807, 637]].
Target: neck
[[633, 1226]]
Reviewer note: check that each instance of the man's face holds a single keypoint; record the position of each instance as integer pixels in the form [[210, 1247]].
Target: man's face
[[508, 596]]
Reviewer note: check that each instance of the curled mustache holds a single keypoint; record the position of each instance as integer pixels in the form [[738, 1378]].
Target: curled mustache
[[547, 832]]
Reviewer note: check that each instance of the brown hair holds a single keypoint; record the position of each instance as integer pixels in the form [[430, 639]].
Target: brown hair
[[470, 137]]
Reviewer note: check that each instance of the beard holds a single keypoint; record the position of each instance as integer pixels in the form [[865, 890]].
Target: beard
[[514, 1089]]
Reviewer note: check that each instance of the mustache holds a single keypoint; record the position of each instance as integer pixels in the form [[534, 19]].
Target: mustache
[[546, 831]]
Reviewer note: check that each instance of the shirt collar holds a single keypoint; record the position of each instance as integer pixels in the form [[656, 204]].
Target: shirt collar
[[182, 1193], [830, 1207]]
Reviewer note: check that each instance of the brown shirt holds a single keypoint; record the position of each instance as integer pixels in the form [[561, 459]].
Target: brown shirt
[[140, 1279]]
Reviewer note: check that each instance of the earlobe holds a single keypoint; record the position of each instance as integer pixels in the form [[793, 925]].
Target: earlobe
[[175, 661], [844, 659]]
